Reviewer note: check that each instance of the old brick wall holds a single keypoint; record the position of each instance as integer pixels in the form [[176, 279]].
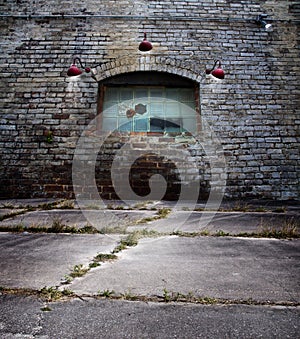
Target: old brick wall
[[254, 111]]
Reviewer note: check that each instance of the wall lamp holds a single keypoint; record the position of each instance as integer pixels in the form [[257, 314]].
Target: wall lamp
[[74, 70], [260, 20], [145, 45], [217, 72]]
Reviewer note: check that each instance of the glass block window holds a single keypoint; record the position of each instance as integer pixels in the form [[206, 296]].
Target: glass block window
[[149, 109]]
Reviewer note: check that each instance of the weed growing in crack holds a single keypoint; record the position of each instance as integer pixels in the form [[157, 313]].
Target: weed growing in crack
[[129, 296], [66, 204], [163, 212], [104, 257], [119, 248], [57, 226], [199, 209], [67, 293], [88, 229], [280, 209], [133, 238], [142, 205], [129, 241], [166, 295], [191, 234], [221, 233], [53, 293], [66, 279], [78, 271], [94, 264], [160, 214], [288, 230], [260, 209], [113, 230], [106, 293]]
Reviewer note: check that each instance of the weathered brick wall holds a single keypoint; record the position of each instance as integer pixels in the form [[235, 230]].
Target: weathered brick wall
[[254, 111]]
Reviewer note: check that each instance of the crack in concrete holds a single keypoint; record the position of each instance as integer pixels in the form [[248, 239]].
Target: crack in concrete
[[174, 297]]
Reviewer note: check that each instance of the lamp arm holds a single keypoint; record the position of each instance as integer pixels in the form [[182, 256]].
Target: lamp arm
[[78, 59]]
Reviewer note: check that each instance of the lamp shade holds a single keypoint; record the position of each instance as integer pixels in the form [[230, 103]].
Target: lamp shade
[[145, 45], [218, 73], [73, 71]]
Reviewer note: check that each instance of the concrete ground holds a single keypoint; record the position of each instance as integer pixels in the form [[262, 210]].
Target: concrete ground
[[232, 273]]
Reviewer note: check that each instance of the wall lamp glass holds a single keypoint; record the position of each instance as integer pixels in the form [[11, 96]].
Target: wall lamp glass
[[260, 20], [216, 71], [74, 70]]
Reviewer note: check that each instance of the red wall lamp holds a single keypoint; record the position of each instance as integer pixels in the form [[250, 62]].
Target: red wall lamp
[[74, 70], [217, 72], [145, 45]]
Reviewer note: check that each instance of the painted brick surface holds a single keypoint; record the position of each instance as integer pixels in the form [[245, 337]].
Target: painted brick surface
[[254, 111]]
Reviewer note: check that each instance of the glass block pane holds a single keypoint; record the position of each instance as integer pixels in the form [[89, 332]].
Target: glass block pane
[[172, 109], [190, 104], [110, 109], [112, 94], [141, 93], [109, 124], [172, 93], [125, 124], [186, 95], [187, 111], [157, 109], [125, 107], [189, 125], [157, 94], [141, 125], [126, 94]]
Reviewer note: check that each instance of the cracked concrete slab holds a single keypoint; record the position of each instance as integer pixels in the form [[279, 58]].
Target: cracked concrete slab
[[23, 203], [22, 317], [38, 260], [230, 222], [77, 218], [231, 268]]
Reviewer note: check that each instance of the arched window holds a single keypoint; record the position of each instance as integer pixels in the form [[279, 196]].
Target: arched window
[[148, 102]]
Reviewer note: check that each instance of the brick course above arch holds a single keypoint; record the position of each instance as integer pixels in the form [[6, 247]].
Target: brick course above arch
[[145, 63]]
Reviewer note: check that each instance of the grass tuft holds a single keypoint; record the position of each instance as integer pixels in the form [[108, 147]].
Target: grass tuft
[[78, 271], [102, 257], [50, 293], [106, 293]]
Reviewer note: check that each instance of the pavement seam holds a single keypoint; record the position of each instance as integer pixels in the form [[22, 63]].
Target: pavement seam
[[174, 298]]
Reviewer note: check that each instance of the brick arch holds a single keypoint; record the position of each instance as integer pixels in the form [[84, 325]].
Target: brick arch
[[145, 63]]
